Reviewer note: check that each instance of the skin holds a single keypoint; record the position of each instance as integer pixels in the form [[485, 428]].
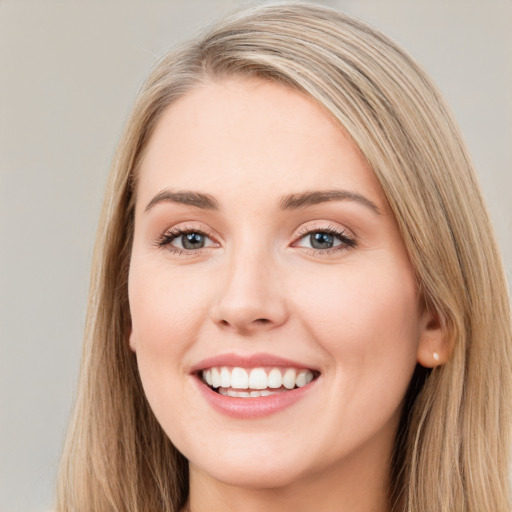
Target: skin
[[258, 287]]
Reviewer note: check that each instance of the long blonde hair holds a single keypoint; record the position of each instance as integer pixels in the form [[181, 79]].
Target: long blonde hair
[[452, 446]]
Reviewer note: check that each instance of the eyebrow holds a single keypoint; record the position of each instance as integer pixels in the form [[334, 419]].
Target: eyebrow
[[197, 199], [311, 198], [288, 202]]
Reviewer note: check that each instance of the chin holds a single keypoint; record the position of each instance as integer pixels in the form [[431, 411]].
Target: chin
[[253, 476]]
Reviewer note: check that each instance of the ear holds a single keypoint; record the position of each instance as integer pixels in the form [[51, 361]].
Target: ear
[[434, 347], [131, 340]]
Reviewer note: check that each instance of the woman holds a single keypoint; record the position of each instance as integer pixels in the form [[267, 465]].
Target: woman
[[297, 299]]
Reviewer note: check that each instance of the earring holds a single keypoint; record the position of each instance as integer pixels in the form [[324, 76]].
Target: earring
[[435, 355]]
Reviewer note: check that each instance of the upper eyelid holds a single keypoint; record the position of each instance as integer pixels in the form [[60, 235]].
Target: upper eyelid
[[187, 228], [299, 232], [322, 226]]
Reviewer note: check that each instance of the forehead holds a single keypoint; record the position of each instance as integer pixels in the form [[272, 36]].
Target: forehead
[[250, 134]]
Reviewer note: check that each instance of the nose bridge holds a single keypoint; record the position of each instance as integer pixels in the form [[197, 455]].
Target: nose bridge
[[250, 296]]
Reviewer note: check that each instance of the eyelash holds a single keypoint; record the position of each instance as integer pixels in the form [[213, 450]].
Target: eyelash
[[347, 241], [166, 239]]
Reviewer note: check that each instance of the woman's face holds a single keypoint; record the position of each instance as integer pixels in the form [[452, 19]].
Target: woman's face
[[265, 255]]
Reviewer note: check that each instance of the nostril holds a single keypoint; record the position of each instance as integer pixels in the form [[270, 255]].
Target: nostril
[[258, 322]]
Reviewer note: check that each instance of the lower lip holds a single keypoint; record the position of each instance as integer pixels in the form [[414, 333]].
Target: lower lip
[[254, 407]]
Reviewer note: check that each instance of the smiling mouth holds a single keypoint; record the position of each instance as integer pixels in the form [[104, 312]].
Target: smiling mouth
[[255, 382]]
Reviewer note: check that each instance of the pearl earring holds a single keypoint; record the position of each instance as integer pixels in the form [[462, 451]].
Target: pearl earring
[[435, 355]]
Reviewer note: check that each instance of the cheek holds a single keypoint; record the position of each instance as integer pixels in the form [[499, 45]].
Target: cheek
[[368, 321], [166, 309], [383, 299], [167, 312]]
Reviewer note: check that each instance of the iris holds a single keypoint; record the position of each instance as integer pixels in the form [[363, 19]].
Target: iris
[[321, 240], [193, 241]]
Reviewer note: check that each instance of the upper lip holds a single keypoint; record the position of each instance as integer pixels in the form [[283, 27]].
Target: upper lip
[[247, 361]]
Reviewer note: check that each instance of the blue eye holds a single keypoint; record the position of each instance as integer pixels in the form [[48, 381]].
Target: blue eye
[[192, 241], [325, 239], [185, 240], [322, 240]]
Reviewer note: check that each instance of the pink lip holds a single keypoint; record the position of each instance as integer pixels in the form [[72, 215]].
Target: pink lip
[[247, 361], [249, 408], [256, 407]]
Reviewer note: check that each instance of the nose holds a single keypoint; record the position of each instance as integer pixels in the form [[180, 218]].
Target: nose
[[251, 297]]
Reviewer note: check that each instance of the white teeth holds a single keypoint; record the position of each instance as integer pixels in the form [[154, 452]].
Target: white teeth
[[225, 377], [289, 378], [302, 378], [215, 378], [275, 380], [237, 394], [245, 394], [257, 381], [239, 378]]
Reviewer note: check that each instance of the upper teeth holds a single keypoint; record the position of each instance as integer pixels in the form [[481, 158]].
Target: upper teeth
[[256, 378]]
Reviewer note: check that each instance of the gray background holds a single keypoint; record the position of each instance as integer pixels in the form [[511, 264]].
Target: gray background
[[69, 71]]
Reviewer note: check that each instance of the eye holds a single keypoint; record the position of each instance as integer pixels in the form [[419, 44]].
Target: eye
[[190, 241], [325, 239], [185, 240], [322, 240]]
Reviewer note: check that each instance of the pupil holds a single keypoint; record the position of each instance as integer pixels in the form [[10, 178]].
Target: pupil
[[192, 241], [321, 240]]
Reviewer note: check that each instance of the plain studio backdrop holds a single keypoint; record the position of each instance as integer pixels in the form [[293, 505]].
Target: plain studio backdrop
[[69, 72]]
